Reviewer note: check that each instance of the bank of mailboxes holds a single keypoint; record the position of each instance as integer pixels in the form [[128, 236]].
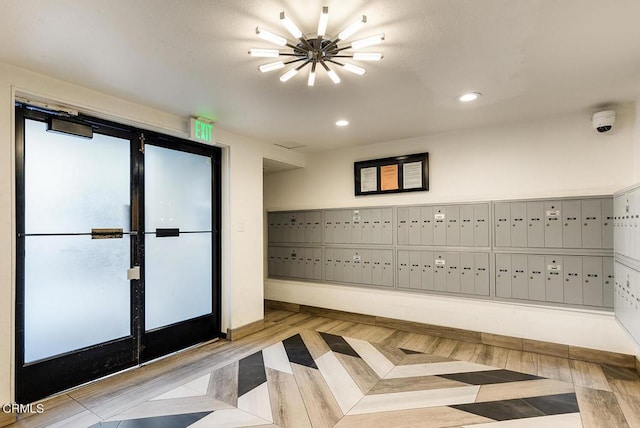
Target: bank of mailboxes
[[452, 272], [586, 223], [627, 298], [359, 266], [298, 226], [298, 262], [626, 221], [576, 280], [359, 226], [465, 225]]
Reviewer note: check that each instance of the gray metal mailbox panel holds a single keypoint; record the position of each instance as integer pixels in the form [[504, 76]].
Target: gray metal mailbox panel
[[387, 226], [607, 223], [272, 261], [453, 272], [280, 265], [466, 225], [608, 281], [426, 227], [535, 224], [481, 225], [519, 224], [376, 267], [318, 227], [503, 275], [366, 220], [554, 289], [415, 270], [592, 290], [356, 227], [427, 270], [415, 237], [356, 266], [553, 224], [387, 268], [309, 265], [289, 263], [271, 221], [537, 272], [573, 280], [403, 225], [379, 228], [404, 269], [329, 264], [502, 224], [301, 263], [329, 227], [571, 226], [338, 264], [317, 264], [453, 225], [439, 271], [519, 276], [591, 210], [347, 219], [439, 226], [481, 263], [467, 273], [285, 222], [347, 262], [299, 227], [366, 266]]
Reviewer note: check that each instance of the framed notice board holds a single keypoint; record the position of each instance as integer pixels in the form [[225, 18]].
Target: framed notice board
[[408, 173]]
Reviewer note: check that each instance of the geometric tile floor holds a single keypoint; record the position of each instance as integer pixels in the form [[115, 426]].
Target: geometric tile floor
[[316, 379]]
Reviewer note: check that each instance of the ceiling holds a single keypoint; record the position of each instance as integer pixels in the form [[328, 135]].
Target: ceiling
[[529, 59]]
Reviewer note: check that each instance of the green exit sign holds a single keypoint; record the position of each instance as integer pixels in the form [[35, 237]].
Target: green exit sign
[[202, 130]]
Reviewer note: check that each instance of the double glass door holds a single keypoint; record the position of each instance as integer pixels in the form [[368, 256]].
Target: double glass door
[[118, 249]]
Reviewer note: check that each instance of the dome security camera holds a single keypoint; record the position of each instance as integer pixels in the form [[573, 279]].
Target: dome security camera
[[603, 120]]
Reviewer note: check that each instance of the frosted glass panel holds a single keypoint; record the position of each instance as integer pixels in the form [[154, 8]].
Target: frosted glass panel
[[177, 278], [76, 293], [73, 184], [177, 190]]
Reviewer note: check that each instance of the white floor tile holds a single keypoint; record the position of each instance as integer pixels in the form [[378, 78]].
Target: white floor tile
[[200, 385], [179, 392], [374, 358], [257, 402], [229, 419], [342, 386], [275, 357]]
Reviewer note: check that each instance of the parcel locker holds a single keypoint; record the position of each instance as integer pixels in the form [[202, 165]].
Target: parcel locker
[[280, 262], [481, 264], [366, 266], [592, 290], [453, 272], [466, 225], [356, 227], [285, 223], [367, 223], [591, 210], [552, 224], [377, 267], [573, 280], [298, 227], [535, 224], [519, 224], [415, 235], [329, 264], [317, 264], [403, 225], [387, 226], [404, 269], [439, 272], [607, 223], [427, 270], [338, 264], [608, 281], [426, 226], [298, 259], [554, 287], [309, 263], [288, 267], [387, 268], [503, 275], [519, 278], [415, 270], [329, 227], [502, 224], [467, 273], [481, 225], [356, 266], [571, 227], [347, 263], [347, 218], [537, 272], [453, 225], [439, 226], [272, 261], [271, 227]]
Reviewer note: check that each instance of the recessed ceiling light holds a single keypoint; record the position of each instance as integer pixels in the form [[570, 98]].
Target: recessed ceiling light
[[471, 96], [342, 122]]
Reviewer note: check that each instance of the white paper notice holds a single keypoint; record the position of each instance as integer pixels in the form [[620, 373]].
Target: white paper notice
[[369, 179], [412, 175]]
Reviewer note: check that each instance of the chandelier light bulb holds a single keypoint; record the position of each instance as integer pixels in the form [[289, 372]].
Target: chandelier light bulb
[[369, 41], [264, 53], [367, 56], [353, 28], [333, 76], [324, 20], [271, 66], [354, 69], [312, 78], [290, 26], [271, 37], [471, 96], [288, 75]]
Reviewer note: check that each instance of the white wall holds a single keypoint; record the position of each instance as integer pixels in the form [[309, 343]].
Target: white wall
[[636, 144], [242, 288], [546, 158]]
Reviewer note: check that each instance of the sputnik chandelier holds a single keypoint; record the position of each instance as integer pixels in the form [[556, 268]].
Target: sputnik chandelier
[[319, 51]]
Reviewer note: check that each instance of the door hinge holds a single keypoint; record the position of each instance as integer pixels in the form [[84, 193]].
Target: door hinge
[[141, 143]]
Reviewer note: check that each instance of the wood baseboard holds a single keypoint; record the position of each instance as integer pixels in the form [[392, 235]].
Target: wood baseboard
[[509, 342], [6, 419], [240, 332]]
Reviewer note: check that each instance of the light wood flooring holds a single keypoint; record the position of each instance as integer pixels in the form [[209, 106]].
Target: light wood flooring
[[306, 370]]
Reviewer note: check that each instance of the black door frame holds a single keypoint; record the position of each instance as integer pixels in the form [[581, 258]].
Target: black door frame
[[39, 379]]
